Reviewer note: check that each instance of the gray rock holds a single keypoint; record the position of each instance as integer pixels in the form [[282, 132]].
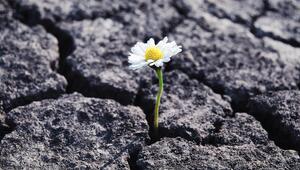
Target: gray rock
[[148, 18], [177, 153], [193, 111], [98, 66], [73, 10], [239, 11], [5, 127], [4, 8], [278, 19], [238, 130], [188, 108], [279, 113], [73, 132], [285, 7], [229, 59], [158, 18], [281, 22], [28, 59]]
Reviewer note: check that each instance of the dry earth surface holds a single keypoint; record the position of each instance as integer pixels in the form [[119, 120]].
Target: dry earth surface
[[69, 101]]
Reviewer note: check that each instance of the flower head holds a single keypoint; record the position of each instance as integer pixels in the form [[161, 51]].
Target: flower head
[[143, 54]]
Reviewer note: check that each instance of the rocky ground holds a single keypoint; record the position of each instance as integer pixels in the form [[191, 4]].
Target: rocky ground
[[69, 101]]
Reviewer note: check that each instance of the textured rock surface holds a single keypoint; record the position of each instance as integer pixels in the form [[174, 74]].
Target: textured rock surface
[[193, 111], [188, 109], [90, 45], [98, 66], [239, 130], [73, 10], [73, 132], [4, 126], [232, 61], [146, 17], [281, 21], [279, 113], [180, 154], [26, 57], [240, 11]]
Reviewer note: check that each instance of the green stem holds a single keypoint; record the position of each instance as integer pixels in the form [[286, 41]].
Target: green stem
[[159, 94]]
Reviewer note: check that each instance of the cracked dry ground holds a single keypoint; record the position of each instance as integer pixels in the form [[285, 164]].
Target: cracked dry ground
[[69, 101]]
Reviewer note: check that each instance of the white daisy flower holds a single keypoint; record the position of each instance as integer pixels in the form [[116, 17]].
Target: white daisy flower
[[143, 54]]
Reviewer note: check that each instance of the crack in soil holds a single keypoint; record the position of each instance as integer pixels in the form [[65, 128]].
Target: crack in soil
[[148, 109], [31, 17], [132, 160], [67, 46], [276, 133], [260, 34], [174, 24], [6, 125], [210, 140], [253, 29]]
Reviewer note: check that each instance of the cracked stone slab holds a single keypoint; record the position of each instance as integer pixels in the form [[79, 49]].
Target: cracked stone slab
[[4, 126], [281, 22], [4, 8], [238, 130], [75, 9], [27, 59], [232, 61], [239, 11], [177, 153], [279, 113], [188, 108], [98, 66], [148, 18], [193, 111], [73, 132]]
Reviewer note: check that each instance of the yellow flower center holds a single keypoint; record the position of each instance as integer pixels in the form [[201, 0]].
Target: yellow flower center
[[153, 53]]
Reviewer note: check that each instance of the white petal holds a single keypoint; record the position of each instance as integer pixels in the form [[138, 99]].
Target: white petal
[[133, 58], [162, 42], [169, 50], [157, 63], [150, 42], [139, 49], [150, 61], [138, 66], [166, 59]]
